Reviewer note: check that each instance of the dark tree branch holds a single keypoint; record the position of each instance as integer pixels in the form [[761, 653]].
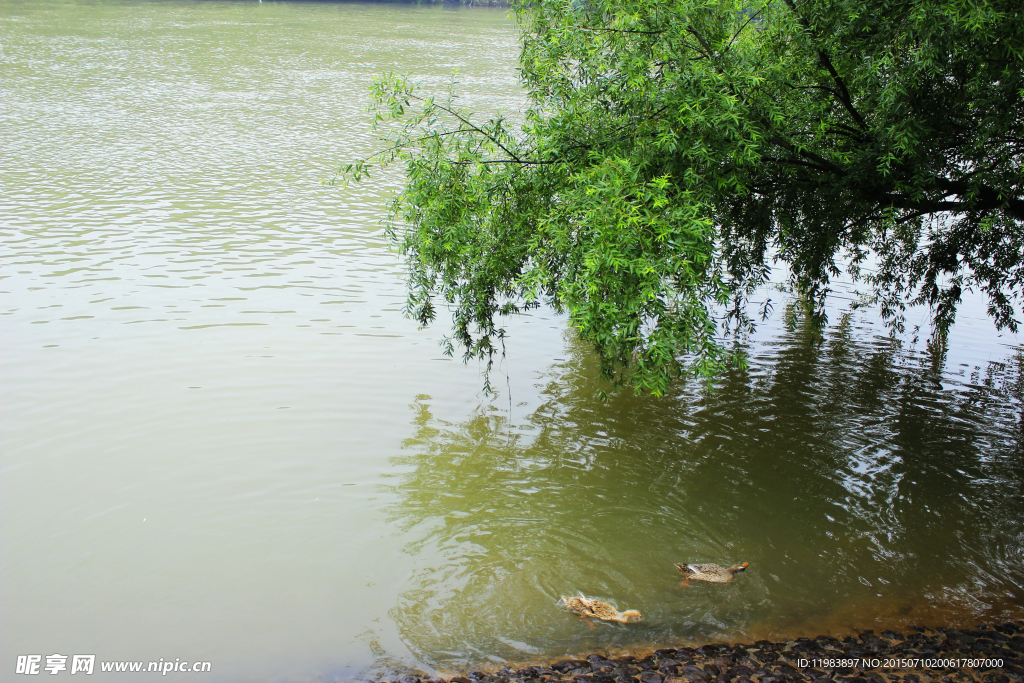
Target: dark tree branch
[[702, 40], [844, 94], [797, 162], [522, 162], [622, 30], [741, 28], [469, 124], [821, 161], [1014, 207], [986, 198], [814, 87]]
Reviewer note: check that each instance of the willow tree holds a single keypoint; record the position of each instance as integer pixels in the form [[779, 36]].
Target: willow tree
[[674, 151]]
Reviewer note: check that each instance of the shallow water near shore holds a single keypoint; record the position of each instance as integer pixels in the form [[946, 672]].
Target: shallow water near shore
[[222, 441]]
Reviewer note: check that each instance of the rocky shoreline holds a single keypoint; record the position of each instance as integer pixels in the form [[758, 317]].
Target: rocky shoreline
[[988, 654]]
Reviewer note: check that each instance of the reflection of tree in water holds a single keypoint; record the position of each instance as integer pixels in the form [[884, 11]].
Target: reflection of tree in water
[[848, 473]]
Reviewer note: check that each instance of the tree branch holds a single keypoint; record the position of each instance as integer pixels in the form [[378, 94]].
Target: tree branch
[[821, 161], [471, 125], [622, 30], [986, 197], [745, 24], [844, 94], [797, 162]]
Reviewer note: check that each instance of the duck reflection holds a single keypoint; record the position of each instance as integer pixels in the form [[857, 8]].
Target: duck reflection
[[862, 482]]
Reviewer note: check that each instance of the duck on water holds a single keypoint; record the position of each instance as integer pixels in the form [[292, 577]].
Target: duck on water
[[589, 608], [711, 573]]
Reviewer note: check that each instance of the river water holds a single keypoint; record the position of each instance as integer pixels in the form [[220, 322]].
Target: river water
[[223, 442]]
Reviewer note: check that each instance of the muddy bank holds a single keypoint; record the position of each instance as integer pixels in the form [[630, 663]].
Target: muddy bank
[[987, 654]]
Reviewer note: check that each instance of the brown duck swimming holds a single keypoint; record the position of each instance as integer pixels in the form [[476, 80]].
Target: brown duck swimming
[[708, 572], [589, 608]]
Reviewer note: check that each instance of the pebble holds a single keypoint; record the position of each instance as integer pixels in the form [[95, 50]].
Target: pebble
[[768, 662]]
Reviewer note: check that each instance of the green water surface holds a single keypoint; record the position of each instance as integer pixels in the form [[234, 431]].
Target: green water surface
[[221, 441]]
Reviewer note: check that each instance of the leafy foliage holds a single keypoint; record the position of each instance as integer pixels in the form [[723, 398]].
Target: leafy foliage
[[675, 150]]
